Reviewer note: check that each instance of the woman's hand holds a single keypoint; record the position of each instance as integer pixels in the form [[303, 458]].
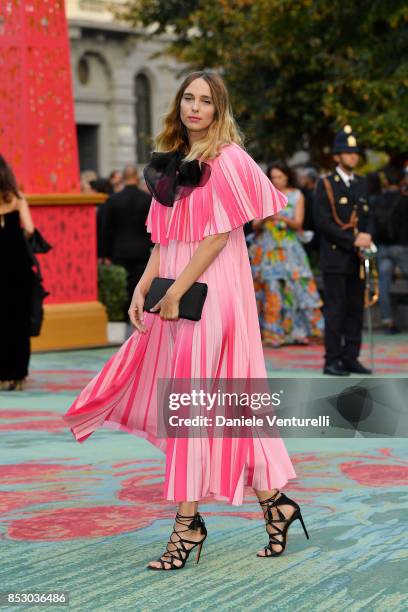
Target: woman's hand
[[168, 306], [135, 311]]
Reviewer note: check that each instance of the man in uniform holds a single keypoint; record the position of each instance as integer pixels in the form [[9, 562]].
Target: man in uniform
[[344, 220]]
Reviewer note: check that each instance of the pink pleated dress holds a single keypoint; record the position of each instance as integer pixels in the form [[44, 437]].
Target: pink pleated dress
[[225, 343]]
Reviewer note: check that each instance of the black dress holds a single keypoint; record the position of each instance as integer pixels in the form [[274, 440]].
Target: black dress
[[15, 299]]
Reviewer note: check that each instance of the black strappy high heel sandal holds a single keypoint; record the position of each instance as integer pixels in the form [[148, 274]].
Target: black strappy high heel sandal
[[267, 505], [181, 553]]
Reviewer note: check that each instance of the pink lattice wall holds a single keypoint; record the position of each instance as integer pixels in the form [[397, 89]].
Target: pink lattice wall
[[69, 270], [38, 139], [37, 129]]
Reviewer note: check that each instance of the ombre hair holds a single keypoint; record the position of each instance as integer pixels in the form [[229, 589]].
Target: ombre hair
[[223, 129]]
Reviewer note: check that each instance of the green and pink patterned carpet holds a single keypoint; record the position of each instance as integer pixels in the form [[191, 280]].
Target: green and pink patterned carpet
[[85, 518]]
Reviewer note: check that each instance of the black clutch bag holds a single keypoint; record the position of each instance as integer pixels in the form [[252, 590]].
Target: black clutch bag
[[191, 303]]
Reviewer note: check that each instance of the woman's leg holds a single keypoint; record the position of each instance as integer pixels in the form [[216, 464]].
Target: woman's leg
[[187, 510], [285, 509]]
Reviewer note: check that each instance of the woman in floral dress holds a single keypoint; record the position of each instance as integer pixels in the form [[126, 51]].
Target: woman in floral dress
[[286, 293]]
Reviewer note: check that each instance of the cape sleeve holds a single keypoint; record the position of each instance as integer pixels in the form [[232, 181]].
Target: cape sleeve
[[241, 192], [237, 192], [157, 222]]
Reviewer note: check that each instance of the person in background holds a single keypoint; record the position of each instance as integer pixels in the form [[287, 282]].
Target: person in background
[[125, 241], [374, 185], [116, 181], [286, 293], [391, 235], [142, 185], [101, 185], [15, 282], [87, 176], [343, 218], [404, 182], [308, 182]]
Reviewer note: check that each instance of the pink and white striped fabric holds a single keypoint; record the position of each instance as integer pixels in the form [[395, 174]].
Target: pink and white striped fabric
[[225, 343]]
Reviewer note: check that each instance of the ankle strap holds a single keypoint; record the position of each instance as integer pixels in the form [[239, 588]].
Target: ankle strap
[[186, 515], [269, 499], [195, 521]]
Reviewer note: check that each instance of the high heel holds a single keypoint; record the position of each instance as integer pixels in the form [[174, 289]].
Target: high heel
[[274, 502], [181, 553]]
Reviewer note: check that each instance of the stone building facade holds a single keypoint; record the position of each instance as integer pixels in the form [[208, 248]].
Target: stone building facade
[[120, 92]]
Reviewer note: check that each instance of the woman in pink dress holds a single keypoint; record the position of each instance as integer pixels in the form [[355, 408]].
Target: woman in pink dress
[[205, 188]]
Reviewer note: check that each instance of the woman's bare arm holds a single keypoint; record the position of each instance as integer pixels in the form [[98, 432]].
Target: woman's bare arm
[[135, 311], [257, 224], [205, 254], [151, 270], [25, 216], [297, 222]]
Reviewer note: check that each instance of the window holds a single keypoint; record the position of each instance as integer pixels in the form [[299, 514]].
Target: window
[[143, 118], [83, 71]]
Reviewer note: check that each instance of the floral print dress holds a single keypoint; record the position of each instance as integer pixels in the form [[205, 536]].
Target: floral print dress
[[286, 293]]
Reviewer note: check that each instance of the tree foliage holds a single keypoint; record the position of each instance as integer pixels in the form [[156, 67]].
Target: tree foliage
[[297, 70]]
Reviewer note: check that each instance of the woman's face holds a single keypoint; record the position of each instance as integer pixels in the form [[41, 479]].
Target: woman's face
[[197, 108], [278, 178]]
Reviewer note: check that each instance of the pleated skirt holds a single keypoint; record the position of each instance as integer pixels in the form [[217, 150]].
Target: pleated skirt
[[224, 344]]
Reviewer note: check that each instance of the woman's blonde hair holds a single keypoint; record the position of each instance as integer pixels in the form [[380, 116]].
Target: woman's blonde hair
[[223, 129]]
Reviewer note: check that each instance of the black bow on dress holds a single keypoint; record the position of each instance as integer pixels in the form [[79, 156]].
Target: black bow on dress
[[168, 178]]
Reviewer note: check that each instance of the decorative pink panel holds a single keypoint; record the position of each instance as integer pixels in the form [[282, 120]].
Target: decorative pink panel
[[37, 128], [69, 269]]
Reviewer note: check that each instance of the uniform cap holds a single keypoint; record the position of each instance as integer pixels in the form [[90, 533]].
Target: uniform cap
[[345, 141]]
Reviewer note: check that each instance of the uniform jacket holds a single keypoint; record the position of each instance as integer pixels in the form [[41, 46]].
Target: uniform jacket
[[338, 255]]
